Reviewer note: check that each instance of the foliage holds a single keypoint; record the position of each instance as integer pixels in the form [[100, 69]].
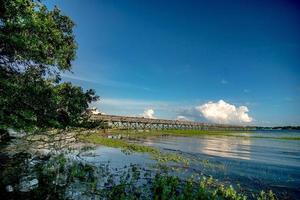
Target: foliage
[[26, 99], [93, 124], [32, 35], [171, 187], [72, 102], [35, 45], [29, 101]]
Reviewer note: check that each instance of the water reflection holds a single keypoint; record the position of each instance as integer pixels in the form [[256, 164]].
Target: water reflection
[[255, 162], [117, 158], [214, 146], [226, 147]]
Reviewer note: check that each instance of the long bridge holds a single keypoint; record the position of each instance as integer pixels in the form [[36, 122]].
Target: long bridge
[[127, 122]]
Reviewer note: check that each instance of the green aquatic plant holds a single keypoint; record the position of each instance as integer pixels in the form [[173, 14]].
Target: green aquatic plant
[[211, 165], [135, 135], [267, 195], [171, 187], [60, 177], [131, 147]]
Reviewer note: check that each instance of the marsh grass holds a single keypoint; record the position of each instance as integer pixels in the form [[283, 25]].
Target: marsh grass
[[203, 188], [127, 147], [183, 133], [135, 134]]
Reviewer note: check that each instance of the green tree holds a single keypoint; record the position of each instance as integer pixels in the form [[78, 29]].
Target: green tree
[[72, 103], [32, 35], [36, 44], [26, 99]]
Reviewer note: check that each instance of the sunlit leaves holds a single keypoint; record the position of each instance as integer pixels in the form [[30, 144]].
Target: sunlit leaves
[[33, 35]]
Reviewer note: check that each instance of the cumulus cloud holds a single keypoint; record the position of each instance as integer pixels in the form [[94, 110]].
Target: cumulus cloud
[[149, 113], [182, 118], [222, 112], [95, 111]]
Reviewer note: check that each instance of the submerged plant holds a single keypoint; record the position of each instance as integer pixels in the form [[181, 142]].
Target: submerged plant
[[131, 147], [59, 177]]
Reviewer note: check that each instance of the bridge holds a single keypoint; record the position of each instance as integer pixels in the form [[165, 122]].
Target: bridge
[[141, 123]]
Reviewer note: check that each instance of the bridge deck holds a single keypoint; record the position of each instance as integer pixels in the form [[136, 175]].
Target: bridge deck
[[147, 123]]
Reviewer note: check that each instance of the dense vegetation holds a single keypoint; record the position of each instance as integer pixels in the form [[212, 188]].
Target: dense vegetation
[[57, 177], [36, 44]]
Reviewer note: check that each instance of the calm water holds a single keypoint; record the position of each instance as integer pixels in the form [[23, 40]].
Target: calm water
[[252, 162], [256, 161]]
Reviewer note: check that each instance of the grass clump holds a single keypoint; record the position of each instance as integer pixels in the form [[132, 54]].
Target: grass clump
[[134, 134], [171, 187], [154, 133]]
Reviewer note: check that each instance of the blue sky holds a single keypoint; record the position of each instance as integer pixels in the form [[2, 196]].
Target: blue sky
[[176, 56]]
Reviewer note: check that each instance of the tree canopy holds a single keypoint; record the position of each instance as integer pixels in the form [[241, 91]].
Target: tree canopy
[[36, 44], [32, 35]]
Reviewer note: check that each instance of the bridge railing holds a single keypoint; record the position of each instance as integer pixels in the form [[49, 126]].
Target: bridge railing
[[147, 123]]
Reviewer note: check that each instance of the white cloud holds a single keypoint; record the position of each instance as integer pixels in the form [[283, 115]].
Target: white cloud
[[95, 111], [149, 113], [182, 118], [222, 112]]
